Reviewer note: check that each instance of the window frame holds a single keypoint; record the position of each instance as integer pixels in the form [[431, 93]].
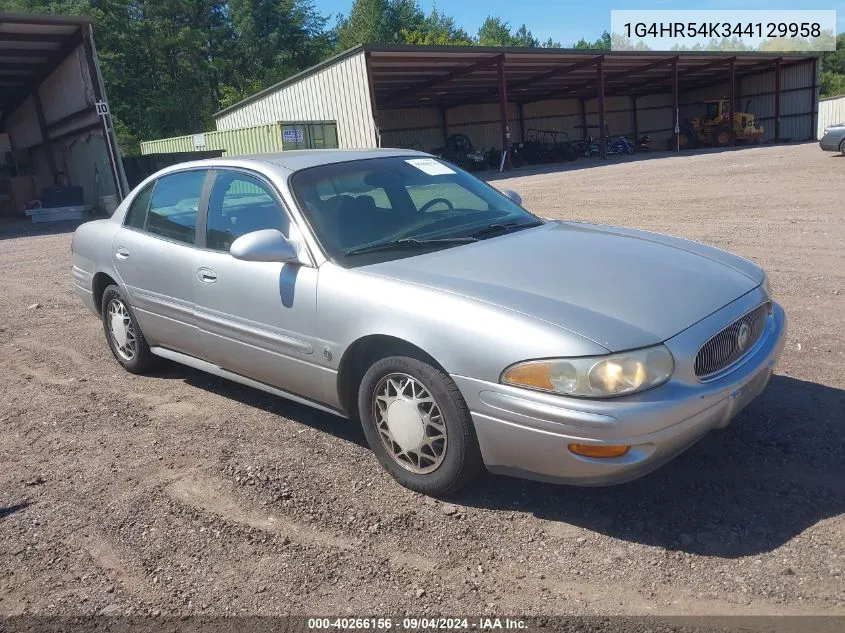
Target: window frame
[[141, 190], [200, 241], [201, 206]]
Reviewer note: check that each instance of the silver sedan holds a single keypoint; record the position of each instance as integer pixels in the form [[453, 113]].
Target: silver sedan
[[462, 331], [833, 139]]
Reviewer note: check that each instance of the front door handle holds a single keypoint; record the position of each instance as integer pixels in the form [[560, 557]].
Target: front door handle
[[121, 253], [206, 275]]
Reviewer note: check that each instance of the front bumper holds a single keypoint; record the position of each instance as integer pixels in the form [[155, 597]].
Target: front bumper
[[830, 143], [526, 434]]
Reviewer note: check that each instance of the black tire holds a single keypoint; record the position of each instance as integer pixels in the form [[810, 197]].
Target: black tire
[[842, 148], [721, 136], [143, 360], [687, 139], [461, 461]]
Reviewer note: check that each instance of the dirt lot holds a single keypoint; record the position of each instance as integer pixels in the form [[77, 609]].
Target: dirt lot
[[183, 493]]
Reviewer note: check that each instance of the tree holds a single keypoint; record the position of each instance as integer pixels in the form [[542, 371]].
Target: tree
[[496, 32], [603, 43], [437, 29], [831, 84], [369, 22], [833, 69]]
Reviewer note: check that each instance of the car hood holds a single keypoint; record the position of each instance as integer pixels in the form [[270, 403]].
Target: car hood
[[618, 287]]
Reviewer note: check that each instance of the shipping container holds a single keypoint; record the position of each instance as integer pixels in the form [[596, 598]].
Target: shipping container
[[258, 139]]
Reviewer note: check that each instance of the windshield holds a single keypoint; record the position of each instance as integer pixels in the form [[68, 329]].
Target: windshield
[[357, 204]]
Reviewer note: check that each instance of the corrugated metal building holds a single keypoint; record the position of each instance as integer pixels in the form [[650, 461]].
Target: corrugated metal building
[[53, 132], [831, 112], [258, 139], [414, 97]]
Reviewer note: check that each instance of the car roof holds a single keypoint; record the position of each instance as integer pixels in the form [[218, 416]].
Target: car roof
[[298, 159]]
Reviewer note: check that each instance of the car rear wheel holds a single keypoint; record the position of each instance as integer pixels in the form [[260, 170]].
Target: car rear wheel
[[419, 426], [125, 339], [842, 147]]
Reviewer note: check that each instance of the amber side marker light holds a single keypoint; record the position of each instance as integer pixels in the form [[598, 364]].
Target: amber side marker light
[[593, 450]]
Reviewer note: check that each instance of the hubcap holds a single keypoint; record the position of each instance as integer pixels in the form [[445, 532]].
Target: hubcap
[[121, 329], [410, 424]]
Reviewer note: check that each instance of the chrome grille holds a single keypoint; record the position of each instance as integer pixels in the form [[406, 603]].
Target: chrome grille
[[732, 343]]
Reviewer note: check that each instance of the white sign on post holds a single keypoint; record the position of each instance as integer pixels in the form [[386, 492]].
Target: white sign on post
[[102, 108], [199, 141]]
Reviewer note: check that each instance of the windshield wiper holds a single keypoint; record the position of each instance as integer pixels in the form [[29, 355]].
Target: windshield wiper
[[409, 242], [504, 227]]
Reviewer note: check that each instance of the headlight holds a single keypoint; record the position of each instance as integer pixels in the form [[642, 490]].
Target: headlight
[[595, 376], [767, 286]]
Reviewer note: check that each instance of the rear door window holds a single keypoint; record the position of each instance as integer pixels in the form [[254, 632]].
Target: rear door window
[[136, 217], [174, 205]]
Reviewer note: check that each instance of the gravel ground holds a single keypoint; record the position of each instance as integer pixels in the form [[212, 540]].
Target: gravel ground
[[182, 493]]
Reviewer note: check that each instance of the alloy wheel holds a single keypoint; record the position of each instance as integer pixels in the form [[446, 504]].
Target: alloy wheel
[[409, 423], [122, 330]]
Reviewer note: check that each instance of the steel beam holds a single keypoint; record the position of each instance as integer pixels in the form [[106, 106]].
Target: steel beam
[[732, 106], [503, 113], [602, 132], [451, 76], [777, 100], [676, 125]]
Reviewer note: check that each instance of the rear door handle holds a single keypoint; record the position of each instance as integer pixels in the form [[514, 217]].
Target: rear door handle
[[206, 275], [121, 253]]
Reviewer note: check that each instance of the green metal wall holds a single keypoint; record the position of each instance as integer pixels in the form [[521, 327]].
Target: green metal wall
[[258, 139]]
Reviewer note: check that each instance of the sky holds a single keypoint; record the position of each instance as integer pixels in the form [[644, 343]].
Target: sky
[[567, 21]]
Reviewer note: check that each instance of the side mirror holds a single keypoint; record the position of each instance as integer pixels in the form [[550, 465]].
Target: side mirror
[[513, 195], [267, 245]]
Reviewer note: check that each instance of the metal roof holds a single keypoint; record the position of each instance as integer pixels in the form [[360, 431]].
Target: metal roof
[[405, 76], [446, 76], [31, 47], [298, 159]]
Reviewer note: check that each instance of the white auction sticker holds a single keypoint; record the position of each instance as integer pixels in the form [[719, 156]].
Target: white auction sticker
[[430, 166]]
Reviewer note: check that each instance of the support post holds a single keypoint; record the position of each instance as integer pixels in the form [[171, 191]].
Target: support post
[[444, 122], [777, 100], [676, 120], [602, 132], [118, 173], [503, 114], [582, 106], [45, 136], [814, 99], [634, 116], [521, 121], [732, 104]]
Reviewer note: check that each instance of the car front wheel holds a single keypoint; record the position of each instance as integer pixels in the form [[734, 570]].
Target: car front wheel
[[419, 426], [125, 339]]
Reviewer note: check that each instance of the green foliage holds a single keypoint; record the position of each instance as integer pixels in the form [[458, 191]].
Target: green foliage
[[831, 84], [496, 32], [169, 65], [603, 43], [833, 69]]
